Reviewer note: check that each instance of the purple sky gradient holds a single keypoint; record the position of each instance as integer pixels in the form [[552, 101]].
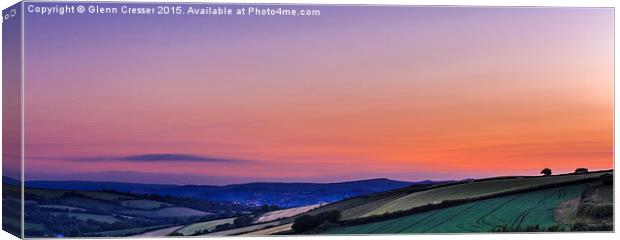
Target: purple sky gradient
[[402, 92]]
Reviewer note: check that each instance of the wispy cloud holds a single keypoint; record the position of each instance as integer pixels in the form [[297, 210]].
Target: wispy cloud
[[160, 157]]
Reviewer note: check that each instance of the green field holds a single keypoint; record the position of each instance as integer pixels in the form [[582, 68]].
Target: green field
[[86, 202], [195, 228], [126, 232], [88, 216], [49, 193], [143, 204], [517, 210], [53, 193], [62, 207], [36, 227], [473, 190], [167, 212], [105, 195]]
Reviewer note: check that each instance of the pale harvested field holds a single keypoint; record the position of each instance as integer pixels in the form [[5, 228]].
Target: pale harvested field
[[272, 230], [201, 226], [159, 233], [286, 213], [473, 190], [243, 230]]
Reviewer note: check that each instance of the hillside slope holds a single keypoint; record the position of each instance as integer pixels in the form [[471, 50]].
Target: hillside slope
[[73, 213], [476, 189], [268, 193], [523, 200], [514, 211]]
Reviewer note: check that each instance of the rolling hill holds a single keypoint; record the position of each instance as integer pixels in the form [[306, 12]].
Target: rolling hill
[[519, 203], [475, 189], [255, 194], [52, 212], [513, 211], [578, 201]]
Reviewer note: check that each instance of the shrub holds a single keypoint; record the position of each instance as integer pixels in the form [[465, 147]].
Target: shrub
[[607, 179], [223, 227], [546, 172], [330, 216], [581, 227], [532, 228], [243, 221], [581, 170], [603, 211], [306, 222]]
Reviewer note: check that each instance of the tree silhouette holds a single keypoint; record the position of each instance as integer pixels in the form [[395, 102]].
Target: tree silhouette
[[581, 170], [546, 172], [309, 222]]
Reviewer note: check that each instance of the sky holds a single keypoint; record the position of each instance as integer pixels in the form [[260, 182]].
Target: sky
[[408, 93], [11, 96]]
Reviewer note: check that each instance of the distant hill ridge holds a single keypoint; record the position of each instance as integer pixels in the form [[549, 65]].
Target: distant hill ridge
[[259, 193]]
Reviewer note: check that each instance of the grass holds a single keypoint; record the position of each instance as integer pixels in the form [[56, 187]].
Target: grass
[[167, 212], [195, 228], [473, 190], [513, 211], [143, 204]]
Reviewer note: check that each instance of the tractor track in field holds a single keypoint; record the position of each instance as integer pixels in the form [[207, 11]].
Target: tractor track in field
[[418, 221], [481, 220], [512, 211], [519, 220], [450, 218]]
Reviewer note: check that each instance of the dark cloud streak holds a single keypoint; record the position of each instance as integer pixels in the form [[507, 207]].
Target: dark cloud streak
[[164, 157]]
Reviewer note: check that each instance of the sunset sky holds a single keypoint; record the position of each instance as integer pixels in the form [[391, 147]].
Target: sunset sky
[[408, 93]]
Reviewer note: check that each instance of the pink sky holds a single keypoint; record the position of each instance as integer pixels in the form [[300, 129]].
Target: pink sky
[[408, 93]]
